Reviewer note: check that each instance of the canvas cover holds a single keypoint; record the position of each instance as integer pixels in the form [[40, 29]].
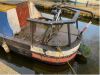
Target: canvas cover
[[9, 23], [14, 15]]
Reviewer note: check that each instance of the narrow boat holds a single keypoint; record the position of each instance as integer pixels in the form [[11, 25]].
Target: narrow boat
[[49, 38]]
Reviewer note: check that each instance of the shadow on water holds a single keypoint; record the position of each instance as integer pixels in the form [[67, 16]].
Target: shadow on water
[[24, 65], [91, 39]]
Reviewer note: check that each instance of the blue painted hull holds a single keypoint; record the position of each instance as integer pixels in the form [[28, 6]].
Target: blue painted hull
[[4, 25]]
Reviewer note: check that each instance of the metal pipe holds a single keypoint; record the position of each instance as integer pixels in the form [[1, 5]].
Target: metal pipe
[[69, 35], [77, 24]]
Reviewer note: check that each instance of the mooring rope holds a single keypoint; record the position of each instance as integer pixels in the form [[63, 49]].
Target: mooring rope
[[74, 72], [72, 68]]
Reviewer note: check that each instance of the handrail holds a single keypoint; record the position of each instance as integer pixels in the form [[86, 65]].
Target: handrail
[[76, 9], [59, 22], [63, 5], [51, 22]]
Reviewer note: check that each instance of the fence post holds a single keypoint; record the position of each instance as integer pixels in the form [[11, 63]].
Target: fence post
[[87, 3]]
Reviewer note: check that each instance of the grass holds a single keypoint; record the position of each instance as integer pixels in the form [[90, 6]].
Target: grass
[[84, 17], [85, 50], [1, 40], [69, 15]]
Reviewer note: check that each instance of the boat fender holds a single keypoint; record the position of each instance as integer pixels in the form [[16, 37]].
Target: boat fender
[[5, 47]]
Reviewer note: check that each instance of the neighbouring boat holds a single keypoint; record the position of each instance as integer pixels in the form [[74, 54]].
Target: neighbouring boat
[[48, 38]]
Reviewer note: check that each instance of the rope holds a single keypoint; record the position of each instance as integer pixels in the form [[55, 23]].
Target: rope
[[74, 72], [72, 68]]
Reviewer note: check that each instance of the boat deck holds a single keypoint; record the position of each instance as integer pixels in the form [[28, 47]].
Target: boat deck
[[60, 39]]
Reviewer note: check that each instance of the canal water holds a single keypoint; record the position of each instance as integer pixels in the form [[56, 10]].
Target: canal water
[[25, 65]]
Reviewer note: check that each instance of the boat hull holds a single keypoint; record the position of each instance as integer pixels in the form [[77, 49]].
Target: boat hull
[[44, 58], [25, 50], [53, 60]]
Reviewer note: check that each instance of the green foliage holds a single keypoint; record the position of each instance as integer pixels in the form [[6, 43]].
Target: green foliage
[[60, 0], [1, 40], [66, 0], [85, 50]]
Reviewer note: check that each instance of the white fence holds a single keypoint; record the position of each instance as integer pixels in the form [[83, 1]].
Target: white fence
[[93, 2]]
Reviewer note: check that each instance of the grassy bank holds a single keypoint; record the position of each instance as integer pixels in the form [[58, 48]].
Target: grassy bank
[[0, 40], [69, 14], [46, 7]]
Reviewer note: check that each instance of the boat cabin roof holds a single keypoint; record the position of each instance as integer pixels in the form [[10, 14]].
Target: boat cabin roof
[[4, 8]]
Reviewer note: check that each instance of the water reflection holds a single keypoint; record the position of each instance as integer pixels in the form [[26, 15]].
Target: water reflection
[[91, 39]]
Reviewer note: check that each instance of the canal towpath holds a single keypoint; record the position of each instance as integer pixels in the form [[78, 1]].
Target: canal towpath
[[6, 69]]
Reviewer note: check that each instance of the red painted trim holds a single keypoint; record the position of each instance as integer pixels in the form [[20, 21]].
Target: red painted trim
[[23, 13], [53, 60]]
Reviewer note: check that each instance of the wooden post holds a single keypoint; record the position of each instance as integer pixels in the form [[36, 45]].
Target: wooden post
[[87, 3], [69, 36], [75, 2]]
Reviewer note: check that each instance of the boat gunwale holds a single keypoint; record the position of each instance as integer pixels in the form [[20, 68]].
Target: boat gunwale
[[74, 44]]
